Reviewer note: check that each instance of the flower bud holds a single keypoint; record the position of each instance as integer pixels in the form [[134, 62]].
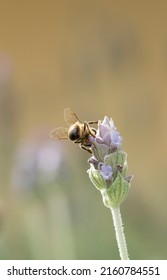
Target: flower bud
[[97, 179]]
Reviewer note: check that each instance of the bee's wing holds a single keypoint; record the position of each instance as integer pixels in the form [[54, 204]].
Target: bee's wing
[[59, 133], [70, 117]]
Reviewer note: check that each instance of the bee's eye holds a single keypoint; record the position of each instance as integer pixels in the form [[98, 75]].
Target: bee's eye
[[74, 133]]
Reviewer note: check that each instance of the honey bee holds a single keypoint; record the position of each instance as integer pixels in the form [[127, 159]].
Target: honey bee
[[76, 131]]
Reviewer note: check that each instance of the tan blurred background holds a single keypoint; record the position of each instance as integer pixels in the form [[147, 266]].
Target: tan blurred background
[[98, 58]]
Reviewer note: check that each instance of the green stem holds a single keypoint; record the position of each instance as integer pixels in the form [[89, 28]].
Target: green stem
[[118, 225]]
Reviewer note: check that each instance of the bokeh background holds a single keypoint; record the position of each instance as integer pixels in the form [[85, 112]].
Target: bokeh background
[[99, 58]]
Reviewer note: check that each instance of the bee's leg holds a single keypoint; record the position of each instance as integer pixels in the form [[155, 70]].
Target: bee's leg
[[93, 122], [86, 127], [78, 141], [85, 148]]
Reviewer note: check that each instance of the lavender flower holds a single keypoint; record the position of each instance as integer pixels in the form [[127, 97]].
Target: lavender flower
[[108, 173], [38, 164], [108, 164]]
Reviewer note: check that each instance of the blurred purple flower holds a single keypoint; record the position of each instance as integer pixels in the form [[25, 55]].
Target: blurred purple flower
[[38, 163]]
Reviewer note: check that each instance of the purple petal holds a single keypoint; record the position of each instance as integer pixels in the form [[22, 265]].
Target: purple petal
[[116, 139], [104, 127], [107, 139], [106, 171]]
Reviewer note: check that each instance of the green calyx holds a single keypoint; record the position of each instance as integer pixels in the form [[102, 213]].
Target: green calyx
[[113, 191], [116, 193], [97, 179]]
